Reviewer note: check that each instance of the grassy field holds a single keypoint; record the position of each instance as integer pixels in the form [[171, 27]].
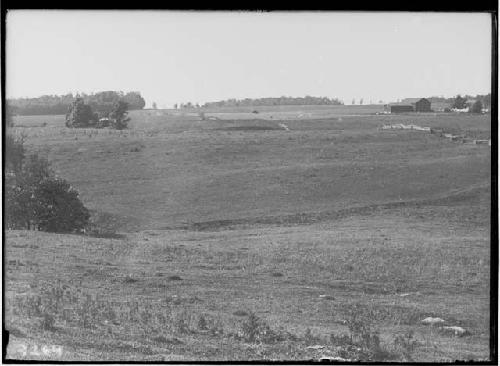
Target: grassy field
[[238, 238]]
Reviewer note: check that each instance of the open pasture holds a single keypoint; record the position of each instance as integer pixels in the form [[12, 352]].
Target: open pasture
[[224, 218]]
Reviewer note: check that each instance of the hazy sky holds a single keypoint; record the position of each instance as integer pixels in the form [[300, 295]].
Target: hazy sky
[[173, 57]]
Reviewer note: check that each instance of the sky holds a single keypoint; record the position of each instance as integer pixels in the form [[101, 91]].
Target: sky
[[178, 57]]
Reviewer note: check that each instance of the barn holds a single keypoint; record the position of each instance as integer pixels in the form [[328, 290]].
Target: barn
[[400, 108], [423, 105]]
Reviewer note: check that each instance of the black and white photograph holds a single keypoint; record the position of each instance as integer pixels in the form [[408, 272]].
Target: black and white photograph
[[249, 186]]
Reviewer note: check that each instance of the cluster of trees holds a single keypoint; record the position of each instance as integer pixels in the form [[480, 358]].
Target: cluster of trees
[[259, 102], [58, 104], [461, 102], [35, 198], [249, 102], [81, 115], [477, 107]]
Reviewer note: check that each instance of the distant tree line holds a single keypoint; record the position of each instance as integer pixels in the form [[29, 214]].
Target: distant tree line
[[460, 102], [259, 102], [480, 102], [58, 104]]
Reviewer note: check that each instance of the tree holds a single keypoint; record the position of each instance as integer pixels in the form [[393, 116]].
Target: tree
[[119, 115], [35, 198], [459, 102], [80, 115], [58, 208], [477, 107], [175, 106], [487, 100], [14, 153], [155, 106], [134, 100], [353, 101], [361, 101], [20, 207]]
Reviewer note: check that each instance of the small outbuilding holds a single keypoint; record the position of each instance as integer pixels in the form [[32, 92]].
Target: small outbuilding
[[400, 108], [423, 105]]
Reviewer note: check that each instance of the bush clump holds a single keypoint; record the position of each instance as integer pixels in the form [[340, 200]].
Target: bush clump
[[80, 115], [35, 198]]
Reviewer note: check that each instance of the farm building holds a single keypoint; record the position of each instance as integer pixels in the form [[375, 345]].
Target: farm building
[[423, 105], [401, 108]]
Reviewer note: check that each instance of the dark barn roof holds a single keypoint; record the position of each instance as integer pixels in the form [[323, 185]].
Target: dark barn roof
[[423, 105], [400, 108]]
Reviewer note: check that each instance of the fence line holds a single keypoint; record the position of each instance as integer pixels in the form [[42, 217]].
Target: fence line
[[439, 131]]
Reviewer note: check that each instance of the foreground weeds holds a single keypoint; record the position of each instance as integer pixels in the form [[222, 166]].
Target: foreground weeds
[[60, 308]]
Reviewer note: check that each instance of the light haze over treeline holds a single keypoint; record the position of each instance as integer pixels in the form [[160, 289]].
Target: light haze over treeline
[[198, 57]]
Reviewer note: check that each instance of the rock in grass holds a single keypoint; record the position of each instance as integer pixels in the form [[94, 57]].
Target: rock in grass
[[326, 297], [454, 330], [432, 321], [174, 278]]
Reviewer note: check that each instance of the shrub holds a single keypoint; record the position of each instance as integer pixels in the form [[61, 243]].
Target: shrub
[[257, 330], [119, 115], [36, 199], [363, 336], [363, 341], [14, 153], [20, 208], [459, 102], [58, 208], [477, 107], [406, 344], [80, 115]]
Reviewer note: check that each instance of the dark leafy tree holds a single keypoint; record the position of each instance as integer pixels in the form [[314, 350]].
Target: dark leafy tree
[[119, 115], [487, 100], [134, 100], [58, 208], [14, 153], [20, 207], [80, 115], [155, 106], [35, 198], [477, 107], [459, 102]]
